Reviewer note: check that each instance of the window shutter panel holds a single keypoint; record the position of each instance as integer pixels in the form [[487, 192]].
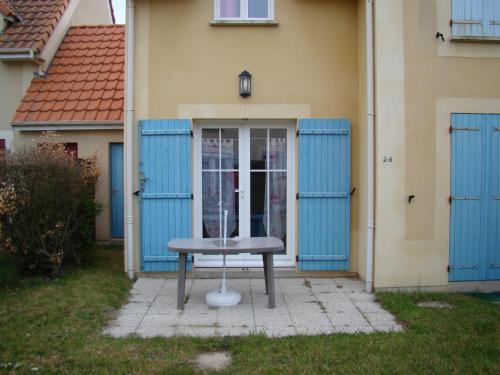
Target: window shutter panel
[[493, 17], [324, 198], [165, 198], [493, 261], [468, 18]]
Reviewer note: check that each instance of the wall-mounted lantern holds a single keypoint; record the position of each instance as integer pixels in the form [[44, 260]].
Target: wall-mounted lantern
[[245, 84]]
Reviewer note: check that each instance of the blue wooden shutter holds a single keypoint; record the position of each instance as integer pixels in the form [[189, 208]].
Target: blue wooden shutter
[[324, 199], [468, 230], [166, 199], [493, 261], [475, 18], [467, 18], [494, 18]]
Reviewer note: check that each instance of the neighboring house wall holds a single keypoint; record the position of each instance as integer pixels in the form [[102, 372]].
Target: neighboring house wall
[[16, 76], [307, 66], [420, 81], [13, 84], [89, 143], [79, 12]]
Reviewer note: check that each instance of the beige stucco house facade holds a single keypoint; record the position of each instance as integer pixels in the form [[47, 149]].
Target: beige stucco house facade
[[310, 63], [41, 75]]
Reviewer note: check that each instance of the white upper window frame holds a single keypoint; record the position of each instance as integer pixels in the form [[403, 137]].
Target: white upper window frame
[[244, 12]]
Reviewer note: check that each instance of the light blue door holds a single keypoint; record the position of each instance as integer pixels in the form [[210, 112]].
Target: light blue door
[[165, 190], [116, 170], [324, 199], [474, 221]]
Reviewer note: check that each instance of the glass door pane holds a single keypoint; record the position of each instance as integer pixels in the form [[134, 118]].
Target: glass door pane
[[268, 182], [220, 181]]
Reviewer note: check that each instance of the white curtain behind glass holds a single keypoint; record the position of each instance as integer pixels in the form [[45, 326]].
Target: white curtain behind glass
[[215, 203], [277, 191], [230, 8]]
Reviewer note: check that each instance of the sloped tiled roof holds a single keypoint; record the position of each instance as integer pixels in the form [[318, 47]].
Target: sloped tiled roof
[[7, 9], [85, 81], [38, 19]]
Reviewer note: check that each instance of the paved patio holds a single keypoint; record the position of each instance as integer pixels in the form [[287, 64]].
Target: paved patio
[[303, 307]]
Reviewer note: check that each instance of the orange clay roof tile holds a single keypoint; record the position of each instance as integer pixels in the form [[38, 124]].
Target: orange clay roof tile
[[84, 82], [8, 9], [36, 20]]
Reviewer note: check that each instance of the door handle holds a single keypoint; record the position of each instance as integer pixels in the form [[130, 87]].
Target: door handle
[[241, 192]]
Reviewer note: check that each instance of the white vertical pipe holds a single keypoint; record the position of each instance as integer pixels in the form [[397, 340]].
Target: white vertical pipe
[[370, 123], [129, 146]]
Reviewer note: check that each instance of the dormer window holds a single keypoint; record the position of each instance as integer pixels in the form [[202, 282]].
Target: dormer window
[[244, 10]]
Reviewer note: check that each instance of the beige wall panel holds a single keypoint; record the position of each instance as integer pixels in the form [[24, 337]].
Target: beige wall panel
[[92, 12], [390, 257], [10, 92], [89, 143]]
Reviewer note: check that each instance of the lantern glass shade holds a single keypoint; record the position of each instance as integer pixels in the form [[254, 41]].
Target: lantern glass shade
[[245, 84]]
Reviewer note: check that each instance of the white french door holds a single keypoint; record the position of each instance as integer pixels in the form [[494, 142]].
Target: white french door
[[246, 168]]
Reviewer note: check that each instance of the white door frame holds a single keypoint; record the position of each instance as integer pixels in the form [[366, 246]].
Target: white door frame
[[245, 261]]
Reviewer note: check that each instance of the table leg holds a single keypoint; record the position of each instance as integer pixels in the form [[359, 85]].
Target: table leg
[[181, 281], [270, 280], [264, 260]]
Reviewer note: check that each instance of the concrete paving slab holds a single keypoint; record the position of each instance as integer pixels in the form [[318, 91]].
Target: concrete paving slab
[[134, 308], [160, 320], [197, 331], [128, 320], [303, 307]]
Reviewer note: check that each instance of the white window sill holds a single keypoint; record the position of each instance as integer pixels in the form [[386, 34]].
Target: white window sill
[[244, 23], [475, 39]]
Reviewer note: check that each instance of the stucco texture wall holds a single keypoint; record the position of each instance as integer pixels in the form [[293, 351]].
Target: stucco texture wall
[[15, 78], [89, 143], [412, 244], [309, 59]]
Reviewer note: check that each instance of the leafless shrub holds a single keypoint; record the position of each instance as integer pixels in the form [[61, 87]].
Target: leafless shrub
[[47, 205]]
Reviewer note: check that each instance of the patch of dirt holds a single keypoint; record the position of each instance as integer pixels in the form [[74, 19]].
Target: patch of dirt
[[214, 361], [435, 305]]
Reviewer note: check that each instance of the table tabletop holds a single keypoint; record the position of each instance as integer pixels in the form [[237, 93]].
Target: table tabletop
[[254, 245]]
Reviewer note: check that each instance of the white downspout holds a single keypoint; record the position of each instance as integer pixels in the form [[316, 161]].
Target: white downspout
[[129, 139], [370, 123]]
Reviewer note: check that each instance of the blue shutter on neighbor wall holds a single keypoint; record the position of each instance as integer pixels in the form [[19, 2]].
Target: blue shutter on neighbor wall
[[166, 191], [494, 18], [467, 220], [493, 252], [324, 198], [475, 18]]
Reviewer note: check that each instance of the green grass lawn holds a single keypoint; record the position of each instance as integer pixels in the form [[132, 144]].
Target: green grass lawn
[[56, 327]]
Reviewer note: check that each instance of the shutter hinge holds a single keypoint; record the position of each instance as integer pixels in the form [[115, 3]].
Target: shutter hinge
[[450, 199], [192, 196], [191, 132], [297, 133], [451, 129], [448, 269], [297, 196], [296, 258], [451, 22]]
